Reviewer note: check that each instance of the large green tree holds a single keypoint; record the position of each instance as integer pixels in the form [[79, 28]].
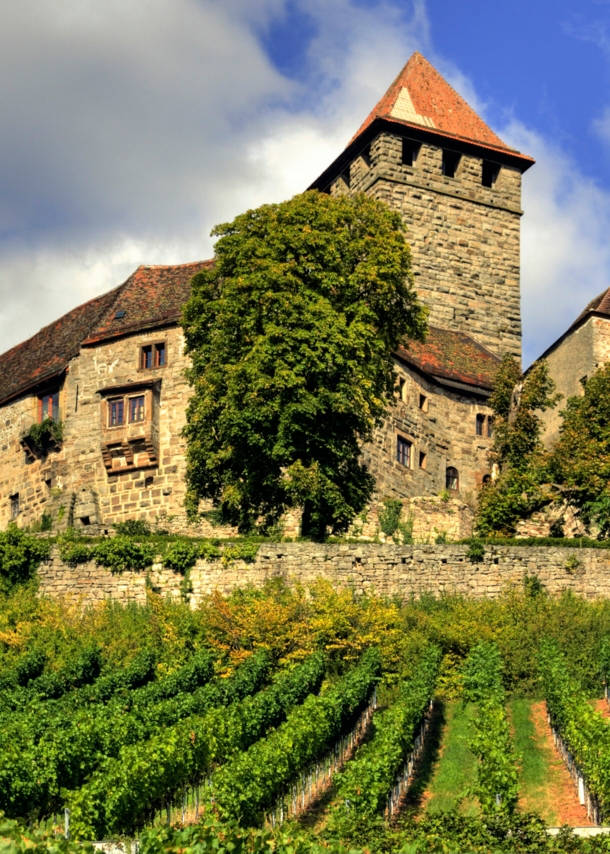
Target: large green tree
[[291, 335]]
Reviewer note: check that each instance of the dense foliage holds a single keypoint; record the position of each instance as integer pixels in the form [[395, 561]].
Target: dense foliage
[[580, 459], [290, 335], [20, 555], [517, 455]]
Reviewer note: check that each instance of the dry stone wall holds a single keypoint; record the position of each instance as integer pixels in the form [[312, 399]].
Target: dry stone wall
[[388, 570]]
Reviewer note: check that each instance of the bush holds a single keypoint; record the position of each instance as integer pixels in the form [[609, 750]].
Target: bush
[[240, 551], [71, 551], [133, 528], [120, 553], [209, 551], [389, 517], [20, 556], [181, 556]]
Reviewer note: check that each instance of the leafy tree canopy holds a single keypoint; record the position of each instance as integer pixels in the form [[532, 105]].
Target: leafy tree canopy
[[291, 335], [580, 459], [517, 455]]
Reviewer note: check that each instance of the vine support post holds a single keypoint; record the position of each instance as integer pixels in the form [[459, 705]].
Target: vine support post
[[67, 823]]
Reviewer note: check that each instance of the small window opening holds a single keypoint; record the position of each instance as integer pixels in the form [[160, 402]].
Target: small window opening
[[402, 388], [423, 402], [423, 460], [152, 356], [148, 482], [403, 451], [85, 520], [451, 161], [116, 412], [15, 509], [480, 424], [490, 173], [48, 406], [452, 479], [486, 479], [119, 314], [410, 151], [136, 408], [583, 380], [490, 427]]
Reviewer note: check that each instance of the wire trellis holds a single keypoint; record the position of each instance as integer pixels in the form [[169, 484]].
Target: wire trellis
[[585, 797], [406, 773]]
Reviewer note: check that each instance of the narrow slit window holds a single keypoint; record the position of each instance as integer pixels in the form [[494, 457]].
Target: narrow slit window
[[423, 403], [423, 460], [401, 388], [451, 162], [136, 408], [490, 173], [403, 451], [15, 509], [480, 425], [490, 427], [116, 412], [410, 150]]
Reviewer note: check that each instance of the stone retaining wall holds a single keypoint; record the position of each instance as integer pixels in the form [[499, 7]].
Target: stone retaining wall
[[385, 569]]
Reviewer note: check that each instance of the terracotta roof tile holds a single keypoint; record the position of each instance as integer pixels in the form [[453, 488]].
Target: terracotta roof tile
[[47, 353], [599, 305], [420, 96], [453, 356], [152, 296]]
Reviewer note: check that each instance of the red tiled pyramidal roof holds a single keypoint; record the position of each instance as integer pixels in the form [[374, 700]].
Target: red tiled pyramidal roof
[[452, 356], [420, 96], [152, 296]]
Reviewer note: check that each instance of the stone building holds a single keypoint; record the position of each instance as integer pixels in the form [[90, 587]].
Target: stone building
[[575, 356], [111, 372]]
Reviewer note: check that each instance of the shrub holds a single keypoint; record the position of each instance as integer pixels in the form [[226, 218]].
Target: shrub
[[209, 551], [71, 551], [133, 528], [41, 435], [120, 553], [240, 551], [181, 556], [476, 551], [20, 555], [389, 517]]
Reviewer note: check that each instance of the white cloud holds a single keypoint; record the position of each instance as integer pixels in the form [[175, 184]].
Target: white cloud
[[131, 128], [565, 252]]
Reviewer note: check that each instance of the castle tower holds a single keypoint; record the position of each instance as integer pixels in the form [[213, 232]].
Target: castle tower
[[426, 153]]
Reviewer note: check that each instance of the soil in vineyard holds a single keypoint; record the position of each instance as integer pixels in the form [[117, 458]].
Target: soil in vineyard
[[602, 707], [418, 790], [545, 783], [453, 771]]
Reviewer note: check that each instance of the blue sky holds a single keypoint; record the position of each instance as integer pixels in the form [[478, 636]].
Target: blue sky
[[129, 128]]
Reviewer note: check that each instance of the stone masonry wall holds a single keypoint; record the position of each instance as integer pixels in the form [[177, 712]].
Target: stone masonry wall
[[443, 430], [388, 570], [75, 476], [465, 238]]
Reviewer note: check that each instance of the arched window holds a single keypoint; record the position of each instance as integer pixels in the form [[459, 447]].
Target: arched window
[[452, 478], [486, 479]]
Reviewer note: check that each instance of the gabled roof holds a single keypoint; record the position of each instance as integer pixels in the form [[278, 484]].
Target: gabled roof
[[598, 307], [420, 96], [152, 296], [454, 357], [46, 354]]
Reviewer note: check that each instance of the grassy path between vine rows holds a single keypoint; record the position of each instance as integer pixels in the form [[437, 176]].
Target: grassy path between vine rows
[[545, 785], [453, 769]]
